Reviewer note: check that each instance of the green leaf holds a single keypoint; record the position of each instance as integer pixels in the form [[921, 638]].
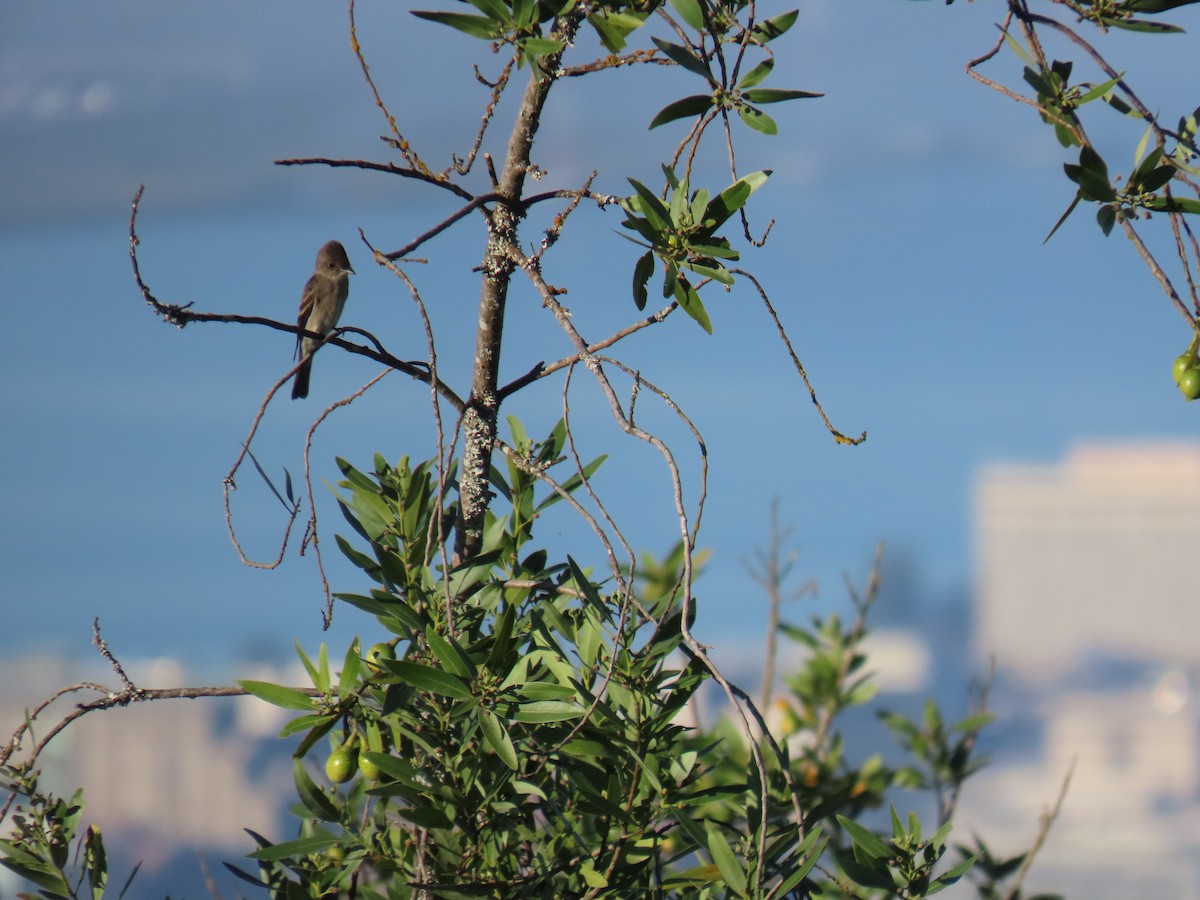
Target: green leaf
[[1155, 6], [723, 856], [757, 74], [867, 845], [642, 271], [1144, 26], [685, 58], [950, 876], [757, 119], [861, 692], [497, 738], [426, 817], [288, 698], [394, 614], [524, 13], [1015, 47], [613, 27], [810, 851], [689, 302], [777, 95], [774, 27], [587, 749], [1037, 81], [493, 9], [535, 47], [399, 769], [475, 570], [1063, 218], [1147, 163], [695, 105], [1158, 178], [32, 868], [540, 711], [699, 204], [651, 207], [589, 638], [313, 674], [975, 722], [501, 639], [361, 560], [1099, 90], [475, 26], [716, 273], [315, 801], [591, 877], [299, 847], [733, 198], [547, 690], [1121, 106], [1092, 176], [584, 584], [355, 478], [1173, 204], [720, 252], [351, 666], [450, 654], [369, 514], [874, 874], [316, 726], [427, 678], [690, 12], [323, 683]]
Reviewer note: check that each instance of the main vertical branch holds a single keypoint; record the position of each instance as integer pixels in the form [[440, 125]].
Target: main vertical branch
[[483, 407]]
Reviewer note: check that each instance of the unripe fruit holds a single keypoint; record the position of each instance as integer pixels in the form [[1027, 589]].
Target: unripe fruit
[[370, 771], [1189, 384], [1182, 363], [379, 652], [341, 765]]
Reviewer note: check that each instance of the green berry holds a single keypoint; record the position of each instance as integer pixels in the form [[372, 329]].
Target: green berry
[[1182, 363], [1189, 384], [370, 771], [379, 652], [341, 765]]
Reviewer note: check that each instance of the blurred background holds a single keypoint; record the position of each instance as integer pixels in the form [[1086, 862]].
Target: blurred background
[[1030, 468]]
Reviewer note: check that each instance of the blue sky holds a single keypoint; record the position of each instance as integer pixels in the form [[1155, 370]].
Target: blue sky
[[907, 262]]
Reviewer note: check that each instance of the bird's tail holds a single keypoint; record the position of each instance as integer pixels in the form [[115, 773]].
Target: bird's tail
[[300, 383]]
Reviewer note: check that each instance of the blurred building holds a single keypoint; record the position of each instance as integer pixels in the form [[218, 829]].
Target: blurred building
[[1088, 596], [1097, 557], [169, 782]]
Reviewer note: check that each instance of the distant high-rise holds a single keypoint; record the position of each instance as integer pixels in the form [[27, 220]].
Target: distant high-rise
[[1094, 559], [1088, 594]]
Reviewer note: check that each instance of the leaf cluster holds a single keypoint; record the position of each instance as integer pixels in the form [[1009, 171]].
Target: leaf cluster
[[1121, 14], [744, 94], [529, 749], [48, 844], [681, 233]]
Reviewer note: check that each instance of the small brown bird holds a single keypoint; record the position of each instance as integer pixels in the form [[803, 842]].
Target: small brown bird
[[321, 306]]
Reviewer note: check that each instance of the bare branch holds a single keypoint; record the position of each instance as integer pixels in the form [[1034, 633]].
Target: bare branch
[[812, 393], [399, 141], [388, 168], [1045, 822]]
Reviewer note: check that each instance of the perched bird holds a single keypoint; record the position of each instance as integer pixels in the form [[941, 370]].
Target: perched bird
[[321, 306]]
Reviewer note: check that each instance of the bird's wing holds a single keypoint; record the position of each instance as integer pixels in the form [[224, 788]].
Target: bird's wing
[[307, 301]]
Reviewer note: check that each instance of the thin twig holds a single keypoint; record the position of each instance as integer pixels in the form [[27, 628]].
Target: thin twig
[[1045, 822]]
